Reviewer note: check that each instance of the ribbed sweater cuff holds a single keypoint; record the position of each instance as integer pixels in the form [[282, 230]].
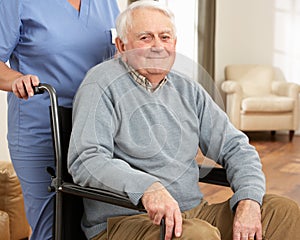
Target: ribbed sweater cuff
[[245, 194]]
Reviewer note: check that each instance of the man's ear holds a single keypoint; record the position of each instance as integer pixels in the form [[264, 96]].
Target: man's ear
[[120, 45]]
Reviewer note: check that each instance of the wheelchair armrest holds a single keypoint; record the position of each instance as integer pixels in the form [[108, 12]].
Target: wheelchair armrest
[[213, 175], [100, 195]]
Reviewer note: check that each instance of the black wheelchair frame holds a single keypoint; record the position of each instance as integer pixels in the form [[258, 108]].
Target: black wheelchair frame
[[68, 195]]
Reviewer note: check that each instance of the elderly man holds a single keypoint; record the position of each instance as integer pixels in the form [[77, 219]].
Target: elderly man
[[137, 128]]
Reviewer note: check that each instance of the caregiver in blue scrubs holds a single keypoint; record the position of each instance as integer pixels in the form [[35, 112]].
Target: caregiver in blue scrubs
[[55, 42]]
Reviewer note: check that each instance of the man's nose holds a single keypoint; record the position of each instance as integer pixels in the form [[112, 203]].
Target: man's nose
[[157, 44]]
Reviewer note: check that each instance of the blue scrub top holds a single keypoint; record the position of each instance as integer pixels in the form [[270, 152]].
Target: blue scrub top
[[51, 39]]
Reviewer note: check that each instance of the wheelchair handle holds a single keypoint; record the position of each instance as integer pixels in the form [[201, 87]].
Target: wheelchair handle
[[38, 89], [41, 88]]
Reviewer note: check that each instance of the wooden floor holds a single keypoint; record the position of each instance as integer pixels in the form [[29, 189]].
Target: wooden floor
[[281, 165]]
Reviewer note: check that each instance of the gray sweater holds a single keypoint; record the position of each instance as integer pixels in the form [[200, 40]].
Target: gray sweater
[[124, 139]]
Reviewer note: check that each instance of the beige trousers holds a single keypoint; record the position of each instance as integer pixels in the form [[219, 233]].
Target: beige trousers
[[280, 220]]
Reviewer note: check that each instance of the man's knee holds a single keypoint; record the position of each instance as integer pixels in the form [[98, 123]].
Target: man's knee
[[280, 206], [199, 230], [278, 215]]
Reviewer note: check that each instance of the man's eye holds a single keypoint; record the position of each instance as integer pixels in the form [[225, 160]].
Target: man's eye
[[165, 37], [146, 38]]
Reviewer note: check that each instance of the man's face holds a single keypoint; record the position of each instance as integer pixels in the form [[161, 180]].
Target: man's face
[[150, 48]]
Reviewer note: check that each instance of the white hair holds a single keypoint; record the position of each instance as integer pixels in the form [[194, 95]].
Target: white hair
[[124, 20]]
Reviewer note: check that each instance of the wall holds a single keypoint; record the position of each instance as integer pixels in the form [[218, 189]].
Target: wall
[[122, 4], [3, 127], [244, 33]]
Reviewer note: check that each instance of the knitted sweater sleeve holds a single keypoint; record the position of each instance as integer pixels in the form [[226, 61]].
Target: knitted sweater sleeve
[[221, 141]]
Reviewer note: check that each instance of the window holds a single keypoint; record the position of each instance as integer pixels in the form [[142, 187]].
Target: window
[[287, 38]]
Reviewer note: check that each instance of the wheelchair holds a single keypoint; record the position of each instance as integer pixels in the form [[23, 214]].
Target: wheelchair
[[68, 195]]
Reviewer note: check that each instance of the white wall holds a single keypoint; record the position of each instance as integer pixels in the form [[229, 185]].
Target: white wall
[[122, 4], [4, 155], [244, 33]]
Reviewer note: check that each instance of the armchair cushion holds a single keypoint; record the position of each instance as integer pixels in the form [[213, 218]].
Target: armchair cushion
[[4, 226], [11, 201], [268, 104]]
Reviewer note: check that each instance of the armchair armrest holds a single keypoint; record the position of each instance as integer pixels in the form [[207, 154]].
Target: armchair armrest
[[230, 87], [285, 89], [234, 95]]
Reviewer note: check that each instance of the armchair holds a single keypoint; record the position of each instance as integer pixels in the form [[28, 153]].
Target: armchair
[[255, 101], [13, 222]]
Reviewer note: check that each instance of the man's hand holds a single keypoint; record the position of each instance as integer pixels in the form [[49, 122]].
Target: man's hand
[[159, 203], [22, 86], [247, 221]]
